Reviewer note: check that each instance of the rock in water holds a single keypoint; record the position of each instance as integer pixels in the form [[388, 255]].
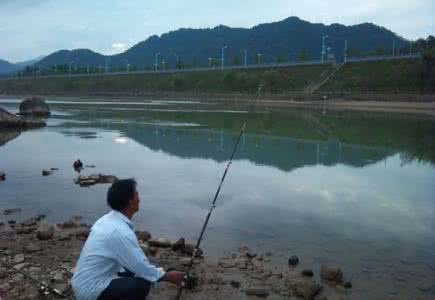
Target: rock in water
[[8, 120], [331, 273], [34, 106], [293, 261], [11, 211], [2, 176], [45, 231], [46, 172], [307, 273]]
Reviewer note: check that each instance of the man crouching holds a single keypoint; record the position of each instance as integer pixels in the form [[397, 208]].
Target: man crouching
[[112, 247]]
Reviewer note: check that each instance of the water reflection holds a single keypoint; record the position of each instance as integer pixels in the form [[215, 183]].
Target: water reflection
[[352, 189]]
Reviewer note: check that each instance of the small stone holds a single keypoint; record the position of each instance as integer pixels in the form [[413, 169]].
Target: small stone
[[347, 285], [70, 224], [31, 248], [185, 261], [226, 263], [257, 291], [61, 287], [179, 245], [29, 222], [57, 277], [331, 273], [143, 235], [46, 172], [21, 266], [40, 217], [11, 211], [19, 258], [45, 231], [160, 242], [305, 288], [25, 230], [189, 249], [307, 273], [235, 284], [250, 254], [293, 261], [82, 234], [152, 250], [64, 236]]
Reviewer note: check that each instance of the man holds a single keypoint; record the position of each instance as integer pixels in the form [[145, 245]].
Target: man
[[112, 246]]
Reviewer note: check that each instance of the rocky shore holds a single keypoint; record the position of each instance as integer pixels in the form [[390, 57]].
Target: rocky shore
[[49, 252]]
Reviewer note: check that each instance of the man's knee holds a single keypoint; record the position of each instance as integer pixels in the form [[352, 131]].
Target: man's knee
[[142, 286]]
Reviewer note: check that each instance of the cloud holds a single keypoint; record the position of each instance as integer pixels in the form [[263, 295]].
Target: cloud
[[118, 47]]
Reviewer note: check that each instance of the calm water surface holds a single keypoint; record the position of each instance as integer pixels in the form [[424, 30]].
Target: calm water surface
[[355, 189]]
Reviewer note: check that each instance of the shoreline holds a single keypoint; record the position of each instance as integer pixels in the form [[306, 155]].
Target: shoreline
[[48, 252], [381, 103]]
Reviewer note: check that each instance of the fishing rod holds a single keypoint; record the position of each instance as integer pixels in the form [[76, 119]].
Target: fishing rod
[[189, 280], [43, 288]]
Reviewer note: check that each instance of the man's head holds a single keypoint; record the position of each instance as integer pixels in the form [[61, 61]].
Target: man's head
[[123, 196]]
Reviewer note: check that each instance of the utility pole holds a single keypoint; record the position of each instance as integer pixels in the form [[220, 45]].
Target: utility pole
[[394, 47], [246, 57], [176, 60], [259, 58], [323, 46], [156, 64], [410, 48], [223, 56], [70, 66], [107, 65], [345, 51]]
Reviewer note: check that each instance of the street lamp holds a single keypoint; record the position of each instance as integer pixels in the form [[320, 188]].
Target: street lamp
[[323, 46], [246, 57], [156, 60], [70, 66], [259, 58], [176, 60], [107, 64], [222, 56]]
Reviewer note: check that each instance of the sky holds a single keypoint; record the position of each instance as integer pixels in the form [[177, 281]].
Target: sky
[[31, 28]]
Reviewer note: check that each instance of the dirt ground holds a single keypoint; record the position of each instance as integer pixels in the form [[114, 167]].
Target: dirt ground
[[49, 252]]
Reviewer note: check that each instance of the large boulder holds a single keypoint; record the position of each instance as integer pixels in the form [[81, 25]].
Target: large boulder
[[8, 120], [34, 106], [7, 135]]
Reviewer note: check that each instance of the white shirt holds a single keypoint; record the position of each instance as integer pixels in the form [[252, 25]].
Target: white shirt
[[111, 246]]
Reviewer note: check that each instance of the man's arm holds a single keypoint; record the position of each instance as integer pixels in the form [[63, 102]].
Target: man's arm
[[129, 254]]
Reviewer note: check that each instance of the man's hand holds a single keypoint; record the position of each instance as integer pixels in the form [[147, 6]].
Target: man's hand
[[174, 277]]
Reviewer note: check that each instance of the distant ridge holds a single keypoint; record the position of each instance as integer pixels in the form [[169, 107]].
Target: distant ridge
[[288, 39]]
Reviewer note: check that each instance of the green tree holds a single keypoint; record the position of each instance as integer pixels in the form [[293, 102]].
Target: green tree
[[303, 56], [236, 60], [280, 58]]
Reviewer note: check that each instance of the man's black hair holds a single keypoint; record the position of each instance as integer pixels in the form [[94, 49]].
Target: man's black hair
[[120, 193]]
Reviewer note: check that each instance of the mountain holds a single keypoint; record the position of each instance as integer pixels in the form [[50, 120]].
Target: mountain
[[23, 64], [288, 39], [78, 57], [7, 67]]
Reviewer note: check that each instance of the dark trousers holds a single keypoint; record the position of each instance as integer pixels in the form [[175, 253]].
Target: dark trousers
[[126, 288]]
